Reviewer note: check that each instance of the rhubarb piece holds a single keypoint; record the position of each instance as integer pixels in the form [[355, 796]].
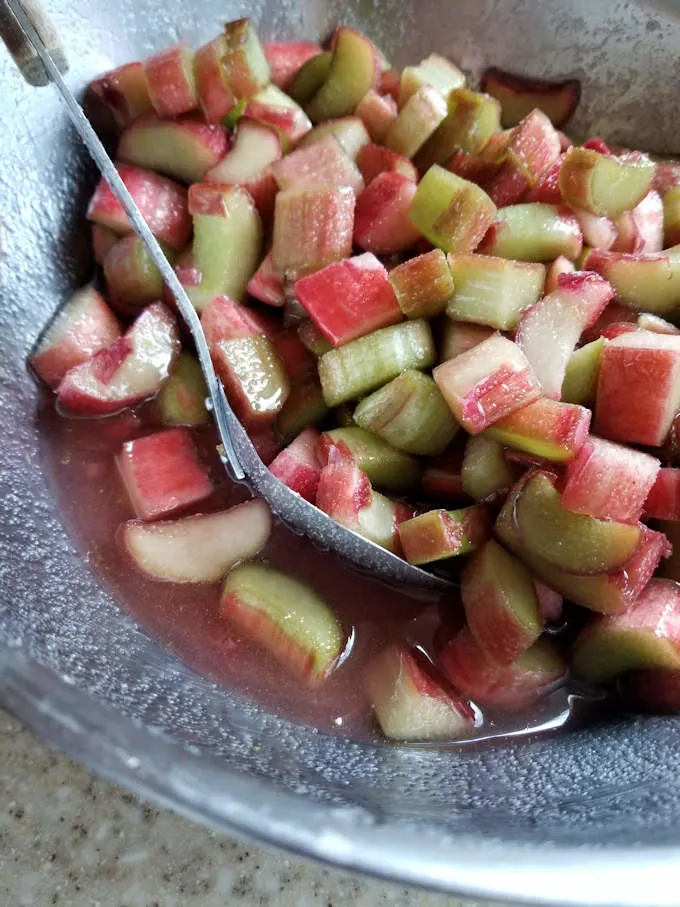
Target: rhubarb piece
[[171, 81], [304, 406], [609, 593], [133, 368], [493, 291], [266, 285], [533, 232], [285, 617], [369, 362], [345, 494], [647, 322], [486, 474], [442, 477], [609, 481], [286, 58], [671, 217], [486, 383], [646, 637], [381, 221], [417, 121], [313, 227], [214, 92], [324, 162], [583, 370], [603, 184], [298, 466], [547, 429], [435, 71], [349, 299], [246, 361], [82, 327], [642, 228], [198, 549], [532, 150], [572, 542], [131, 274], [248, 164], [423, 285], [296, 358], [245, 64], [377, 112], [549, 332], [441, 534], [598, 232], [162, 202], [458, 337], [353, 71], [517, 685], [103, 239], [312, 338], [645, 283], [183, 148], [451, 212], [613, 314], [374, 160], [162, 473], [663, 502], [500, 603], [519, 95], [273, 108], [124, 91], [410, 414], [410, 704], [384, 465], [310, 77], [471, 120], [227, 240], [638, 390], [349, 132], [181, 400]]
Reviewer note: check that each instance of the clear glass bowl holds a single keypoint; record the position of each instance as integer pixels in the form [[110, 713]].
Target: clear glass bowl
[[588, 818]]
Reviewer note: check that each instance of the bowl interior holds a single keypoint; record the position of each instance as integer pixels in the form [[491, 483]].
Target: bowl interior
[[73, 665]]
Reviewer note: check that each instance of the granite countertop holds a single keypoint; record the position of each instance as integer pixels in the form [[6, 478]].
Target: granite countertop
[[72, 839]]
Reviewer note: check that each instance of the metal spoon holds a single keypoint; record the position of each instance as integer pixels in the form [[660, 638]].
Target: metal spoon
[[27, 31]]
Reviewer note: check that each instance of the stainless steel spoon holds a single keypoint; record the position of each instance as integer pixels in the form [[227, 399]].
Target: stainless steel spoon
[[28, 32]]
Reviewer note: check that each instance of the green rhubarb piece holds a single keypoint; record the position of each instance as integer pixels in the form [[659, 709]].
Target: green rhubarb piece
[[441, 534], [583, 369], [493, 291], [471, 120], [671, 217], [245, 63], [386, 467], [534, 232], [352, 73], [423, 285], [605, 184], [312, 338], [304, 406], [436, 71], [182, 398], [363, 365], [410, 413], [131, 273], [284, 616], [310, 77], [485, 472]]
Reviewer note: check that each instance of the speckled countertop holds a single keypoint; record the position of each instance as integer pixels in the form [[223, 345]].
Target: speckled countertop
[[72, 839]]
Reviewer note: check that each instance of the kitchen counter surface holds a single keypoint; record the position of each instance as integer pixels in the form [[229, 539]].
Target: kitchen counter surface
[[71, 839]]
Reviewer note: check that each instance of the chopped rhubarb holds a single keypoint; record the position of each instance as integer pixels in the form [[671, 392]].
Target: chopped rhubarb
[[442, 477], [663, 501], [643, 282], [440, 534], [486, 474], [519, 95], [471, 120], [304, 406], [162, 473], [266, 284], [324, 162], [436, 71], [377, 113], [286, 58], [215, 96], [533, 232], [244, 61], [385, 466], [298, 465], [546, 428], [603, 184], [381, 221], [375, 159], [124, 91], [416, 122], [181, 400], [456, 337], [132, 276], [171, 81], [349, 132], [423, 285], [353, 71]]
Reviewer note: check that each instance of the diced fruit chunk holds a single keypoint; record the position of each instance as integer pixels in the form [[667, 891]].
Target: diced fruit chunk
[[417, 120], [500, 603], [375, 159], [266, 284], [486, 383], [349, 298], [353, 71], [441, 534], [647, 636], [182, 398], [486, 474], [451, 212], [436, 71], [583, 369], [244, 61], [298, 465], [573, 542], [286, 58], [423, 285], [377, 112], [638, 390], [124, 91], [663, 501], [385, 466], [82, 327], [533, 232], [456, 337], [546, 428], [381, 221], [132, 277], [609, 481], [519, 95], [285, 617], [214, 92], [349, 132], [603, 184], [162, 202], [171, 81], [486, 682], [410, 414], [323, 162], [133, 368], [162, 473], [410, 704], [471, 119], [198, 549]]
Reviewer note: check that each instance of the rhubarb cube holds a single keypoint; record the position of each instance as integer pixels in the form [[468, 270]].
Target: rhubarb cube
[[214, 92], [663, 501], [298, 466], [324, 162], [417, 120], [486, 475], [441, 534], [533, 232], [373, 160], [286, 58], [353, 71], [377, 112], [245, 63], [124, 91], [162, 473], [381, 221], [547, 429], [385, 466], [423, 285], [644, 282], [171, 81]]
